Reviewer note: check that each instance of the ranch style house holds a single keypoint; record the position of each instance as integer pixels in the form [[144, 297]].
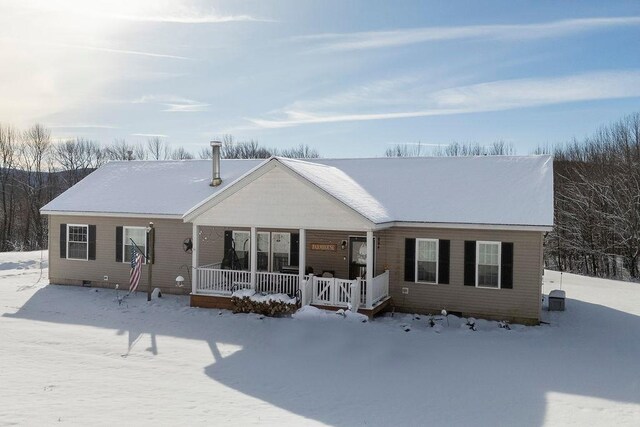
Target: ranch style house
[[420, 235]]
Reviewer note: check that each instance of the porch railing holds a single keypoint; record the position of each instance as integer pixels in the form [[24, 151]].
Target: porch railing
[[277, 283], [380, 287], [218, 281], [329, 291]]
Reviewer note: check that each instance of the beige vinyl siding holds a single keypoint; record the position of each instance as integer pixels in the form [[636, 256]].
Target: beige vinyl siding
[[520, 303], [523, 302], [170, 259]]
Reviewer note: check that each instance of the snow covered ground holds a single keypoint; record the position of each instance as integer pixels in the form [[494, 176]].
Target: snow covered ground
[[73, 355]]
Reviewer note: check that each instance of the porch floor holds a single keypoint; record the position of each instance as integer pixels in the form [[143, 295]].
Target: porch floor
[[224, 302]]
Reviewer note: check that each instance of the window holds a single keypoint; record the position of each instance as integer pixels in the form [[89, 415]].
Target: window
[[77, 241], [139, 237], [280, 250], [426, 260], [264, 239], [242, 241], [488, 264]]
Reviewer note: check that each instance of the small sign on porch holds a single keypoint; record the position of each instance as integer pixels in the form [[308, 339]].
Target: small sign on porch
[[324, 247]]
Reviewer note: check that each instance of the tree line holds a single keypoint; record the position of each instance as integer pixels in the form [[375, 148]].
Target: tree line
[[34, 169], [597, 203]]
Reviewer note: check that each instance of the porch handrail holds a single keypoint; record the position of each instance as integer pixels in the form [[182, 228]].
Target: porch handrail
[[216, 265], [380, 287]]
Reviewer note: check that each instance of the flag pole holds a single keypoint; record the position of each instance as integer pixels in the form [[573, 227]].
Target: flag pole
[[152, 235]]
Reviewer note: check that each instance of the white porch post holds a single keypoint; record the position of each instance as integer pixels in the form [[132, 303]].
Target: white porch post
[[254, 257], [302, 262], [195, 240], [370, 269]]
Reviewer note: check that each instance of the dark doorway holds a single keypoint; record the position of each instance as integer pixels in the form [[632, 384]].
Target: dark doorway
[[358, 257]]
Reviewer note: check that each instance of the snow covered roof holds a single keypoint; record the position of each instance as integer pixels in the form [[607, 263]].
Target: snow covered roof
[[492, 190], [159, 188]]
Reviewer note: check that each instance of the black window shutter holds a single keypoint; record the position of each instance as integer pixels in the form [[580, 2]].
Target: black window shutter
[[443, 261], [92, 242], [119, 257], [470, 263], [228, 244], [63, 240], [409, 260], [506, 273], [149, 250], [295, 249]]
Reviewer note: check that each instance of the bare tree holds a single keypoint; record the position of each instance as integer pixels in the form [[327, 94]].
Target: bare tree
[[8, 149], [119, 150], [158, 149], [35, 161], [300, 152], [455, 149], [181, 154], [597, 203], [77, 158]]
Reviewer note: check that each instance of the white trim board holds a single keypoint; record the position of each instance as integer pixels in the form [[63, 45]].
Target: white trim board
[[112, 214], [453, 225]]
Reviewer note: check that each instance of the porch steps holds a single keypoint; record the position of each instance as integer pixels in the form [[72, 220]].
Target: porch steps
[[380, 307]]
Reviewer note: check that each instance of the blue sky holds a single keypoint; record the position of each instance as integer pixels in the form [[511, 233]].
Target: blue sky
[[348, 78]]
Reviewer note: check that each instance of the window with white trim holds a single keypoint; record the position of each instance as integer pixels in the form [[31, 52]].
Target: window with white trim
[[139, 237], [488, 264], [77, 241], [280, 250], [242, 242], [426, 260]]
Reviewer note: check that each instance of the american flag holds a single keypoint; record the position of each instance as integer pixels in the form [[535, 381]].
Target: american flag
[[136, 269]]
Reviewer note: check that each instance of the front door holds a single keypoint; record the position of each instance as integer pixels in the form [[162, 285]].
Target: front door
[[357, 257]]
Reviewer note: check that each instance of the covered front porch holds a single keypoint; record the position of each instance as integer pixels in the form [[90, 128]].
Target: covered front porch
[[315, 273], [262, 223]]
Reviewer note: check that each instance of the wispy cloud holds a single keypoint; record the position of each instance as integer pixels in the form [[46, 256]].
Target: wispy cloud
[[119, 51], [188, 18], [83, 126], [173, 104], [332, 42], [482, 97], [160, 11], [150, 135]]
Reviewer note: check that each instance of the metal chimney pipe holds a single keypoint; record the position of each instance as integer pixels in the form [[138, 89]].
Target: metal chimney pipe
[[215, 147]]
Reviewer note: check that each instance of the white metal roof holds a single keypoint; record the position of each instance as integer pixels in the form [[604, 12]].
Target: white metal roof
[[158, 188], [498, 190]]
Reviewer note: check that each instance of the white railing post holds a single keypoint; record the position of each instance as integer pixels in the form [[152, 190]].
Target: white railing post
[[302, 256], [355, 295], [306, 290], [194, 258], [253, 246], [386, 283], [370, 267]]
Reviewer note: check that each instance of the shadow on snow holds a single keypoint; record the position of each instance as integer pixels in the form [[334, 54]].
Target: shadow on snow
[[346, 373]]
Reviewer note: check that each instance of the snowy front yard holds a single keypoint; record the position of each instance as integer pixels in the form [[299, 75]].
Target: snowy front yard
[[73, 355]]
